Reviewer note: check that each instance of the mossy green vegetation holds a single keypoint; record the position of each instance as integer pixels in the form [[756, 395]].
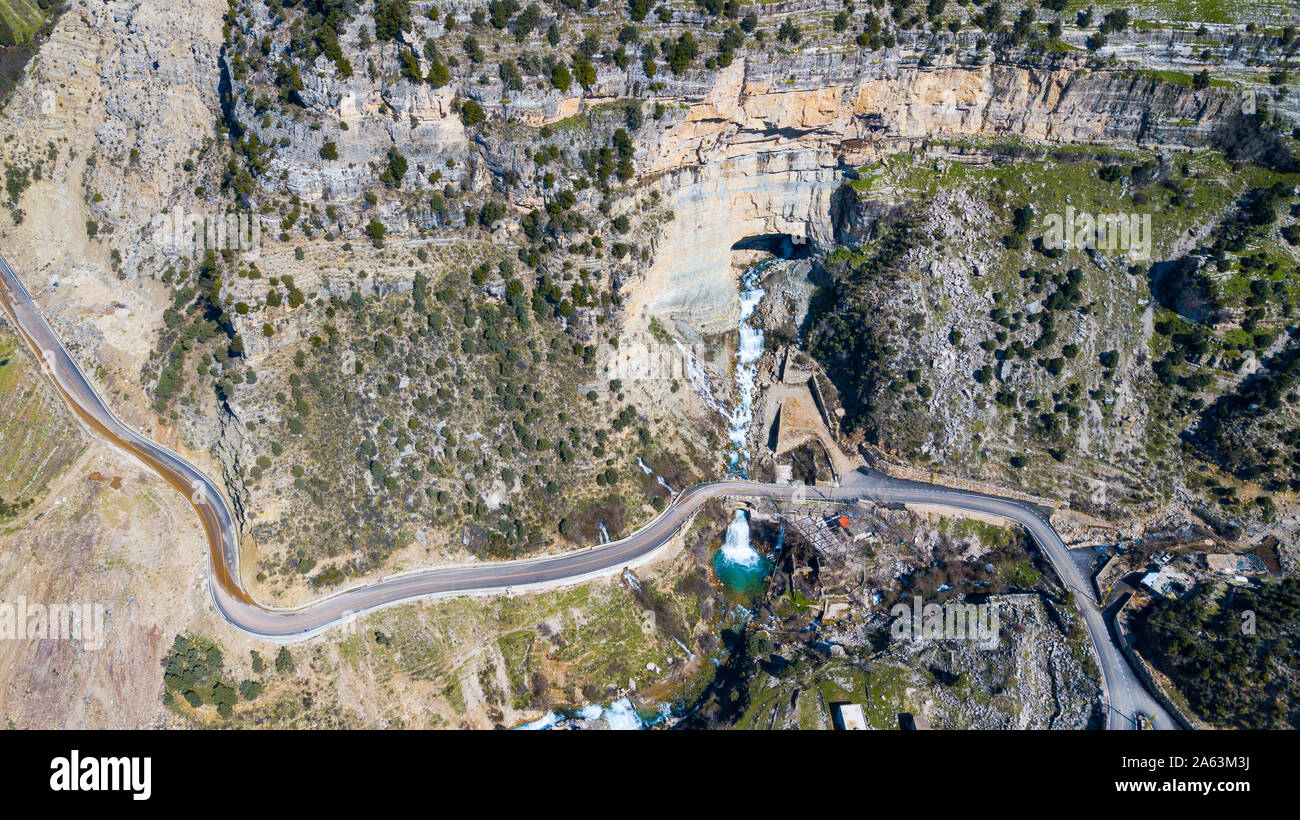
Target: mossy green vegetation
[[1050, 339], [1230, 652], [21, 19]]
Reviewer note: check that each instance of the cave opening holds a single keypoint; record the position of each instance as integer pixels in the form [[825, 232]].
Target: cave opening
[[780, 245]]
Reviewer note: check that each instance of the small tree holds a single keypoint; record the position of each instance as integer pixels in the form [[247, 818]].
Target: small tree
[[284, 661], [438, 75], [471, 113], [561, 78]]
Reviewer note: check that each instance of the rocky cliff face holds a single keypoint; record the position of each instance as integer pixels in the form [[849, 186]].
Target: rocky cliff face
[[136, 107], [362, 116], [753, 148], [132, 109], [110, 115], [753, 157]]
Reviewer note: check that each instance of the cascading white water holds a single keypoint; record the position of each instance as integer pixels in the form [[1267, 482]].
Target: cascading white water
[[645, 468], [736, 549], [748, 353], [699, 379]]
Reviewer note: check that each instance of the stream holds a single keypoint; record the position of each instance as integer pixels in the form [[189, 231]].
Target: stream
[[739, 566]]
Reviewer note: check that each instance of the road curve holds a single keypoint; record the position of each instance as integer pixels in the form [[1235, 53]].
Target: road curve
[[1125, 696]]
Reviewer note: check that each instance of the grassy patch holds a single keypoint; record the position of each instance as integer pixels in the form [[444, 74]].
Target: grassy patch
[[37, 442], [20, 19]]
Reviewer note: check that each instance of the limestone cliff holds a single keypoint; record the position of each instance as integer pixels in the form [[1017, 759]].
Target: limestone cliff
[[133, 109], [752, 157]]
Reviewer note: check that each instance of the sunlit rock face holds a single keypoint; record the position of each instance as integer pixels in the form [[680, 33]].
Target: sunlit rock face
[[757, 154], [417, 118], [719, 204]]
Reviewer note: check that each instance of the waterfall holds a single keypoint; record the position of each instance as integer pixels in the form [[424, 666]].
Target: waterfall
[[645, 468], [736, 548], [699, 379], [749, 351], [738, 564]]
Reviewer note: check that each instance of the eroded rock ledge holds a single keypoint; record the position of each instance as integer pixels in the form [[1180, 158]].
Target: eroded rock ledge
[[752, 157]]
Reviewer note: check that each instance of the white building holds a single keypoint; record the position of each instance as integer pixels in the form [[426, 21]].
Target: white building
[[850, 717]]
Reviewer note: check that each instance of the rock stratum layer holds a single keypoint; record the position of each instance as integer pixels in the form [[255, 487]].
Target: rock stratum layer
[[755, 157]]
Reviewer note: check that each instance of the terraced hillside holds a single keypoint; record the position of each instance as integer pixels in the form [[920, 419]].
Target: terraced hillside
[[20, 19], [23, 23], [36, 440]]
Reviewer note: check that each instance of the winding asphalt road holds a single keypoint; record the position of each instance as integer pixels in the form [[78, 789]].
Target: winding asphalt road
[[1124, 695]]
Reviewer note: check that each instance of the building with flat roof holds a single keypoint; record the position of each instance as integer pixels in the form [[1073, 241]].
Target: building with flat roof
[[1234, 564], [1168, 583], [910, 722], [849, 716]]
